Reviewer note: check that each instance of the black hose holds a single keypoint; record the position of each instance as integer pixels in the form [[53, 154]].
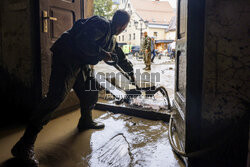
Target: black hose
[[170, 137], [181, 154], [164, 93], [177, 150]]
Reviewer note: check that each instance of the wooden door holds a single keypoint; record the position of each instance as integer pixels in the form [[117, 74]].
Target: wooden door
[[189, 71], [181, 69], [56, 16]]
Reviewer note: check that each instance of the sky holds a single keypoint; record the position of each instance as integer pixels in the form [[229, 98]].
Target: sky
[[172, 3]]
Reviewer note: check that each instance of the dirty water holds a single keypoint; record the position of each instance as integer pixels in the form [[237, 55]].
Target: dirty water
[[125, 141], [131, 142]]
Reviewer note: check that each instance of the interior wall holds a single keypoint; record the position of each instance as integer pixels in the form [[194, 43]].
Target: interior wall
[[226, 93], [16, 60], [16, 50], [1, 10]]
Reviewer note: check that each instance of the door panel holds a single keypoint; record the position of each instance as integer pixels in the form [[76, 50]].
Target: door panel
[[56, 16], [65, 18], [188, 78], [181, 71]]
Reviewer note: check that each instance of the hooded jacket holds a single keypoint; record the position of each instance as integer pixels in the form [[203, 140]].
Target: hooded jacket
[[86, 41]]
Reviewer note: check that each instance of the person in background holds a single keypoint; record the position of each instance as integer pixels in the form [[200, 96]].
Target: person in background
[[153, 49], [172, 55], [146, 49]]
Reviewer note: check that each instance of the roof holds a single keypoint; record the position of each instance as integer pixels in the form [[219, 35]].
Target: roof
[[158, 12], [172, 24], [164, 26]]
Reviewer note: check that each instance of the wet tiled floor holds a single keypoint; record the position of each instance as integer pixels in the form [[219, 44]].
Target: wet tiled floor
[[125, 141]]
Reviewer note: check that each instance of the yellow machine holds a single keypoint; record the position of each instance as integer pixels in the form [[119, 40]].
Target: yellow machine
[[126, 49]]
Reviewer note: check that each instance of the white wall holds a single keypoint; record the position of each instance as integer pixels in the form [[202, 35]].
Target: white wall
[[170, 35]]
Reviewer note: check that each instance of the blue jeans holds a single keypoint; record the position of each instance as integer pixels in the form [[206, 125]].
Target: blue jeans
[[153, 52]]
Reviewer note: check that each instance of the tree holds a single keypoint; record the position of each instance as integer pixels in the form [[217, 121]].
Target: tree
[[104, 8]]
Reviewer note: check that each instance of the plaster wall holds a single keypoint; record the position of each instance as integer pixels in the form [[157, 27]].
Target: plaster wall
[[17, 64], [226, 77], [170, 35], [226, 61], [16, 57], [160, 33]]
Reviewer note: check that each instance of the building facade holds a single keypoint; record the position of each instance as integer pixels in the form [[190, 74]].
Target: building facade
[[147, 15]]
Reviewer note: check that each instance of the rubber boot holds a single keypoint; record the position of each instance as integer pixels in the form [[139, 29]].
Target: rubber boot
[[145, 67], [148, 67], [86, 122], [24, 149]]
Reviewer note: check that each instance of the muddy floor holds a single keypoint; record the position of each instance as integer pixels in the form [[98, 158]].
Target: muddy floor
[[125, 141]]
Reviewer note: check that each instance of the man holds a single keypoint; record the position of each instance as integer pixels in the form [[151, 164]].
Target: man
[[172, 55], [146, 48], [153, 49], [86, 43]]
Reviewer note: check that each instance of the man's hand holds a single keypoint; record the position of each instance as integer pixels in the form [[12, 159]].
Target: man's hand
[[107, 56]]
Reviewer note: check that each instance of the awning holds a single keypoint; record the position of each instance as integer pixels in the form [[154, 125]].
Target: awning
[[121, 44], [164, 41]]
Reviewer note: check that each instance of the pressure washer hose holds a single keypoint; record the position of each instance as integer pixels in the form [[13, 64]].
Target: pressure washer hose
[[181, 154], [170, 136], [176, 149], [164, 92]]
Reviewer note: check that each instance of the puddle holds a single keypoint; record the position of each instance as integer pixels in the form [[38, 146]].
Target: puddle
[[131, 142]]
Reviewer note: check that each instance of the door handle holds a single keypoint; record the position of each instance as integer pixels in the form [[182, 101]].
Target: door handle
[[52, 18], [45, 18]]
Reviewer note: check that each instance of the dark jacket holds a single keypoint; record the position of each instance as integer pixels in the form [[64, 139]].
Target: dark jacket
[[85, 42]]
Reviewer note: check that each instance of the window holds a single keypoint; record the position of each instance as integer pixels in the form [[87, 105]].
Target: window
[[123, 38], [155, 34], [119, 38], [130, 37], [134, 36]]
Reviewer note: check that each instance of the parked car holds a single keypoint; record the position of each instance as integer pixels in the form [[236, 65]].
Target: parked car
[[135, 50]]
